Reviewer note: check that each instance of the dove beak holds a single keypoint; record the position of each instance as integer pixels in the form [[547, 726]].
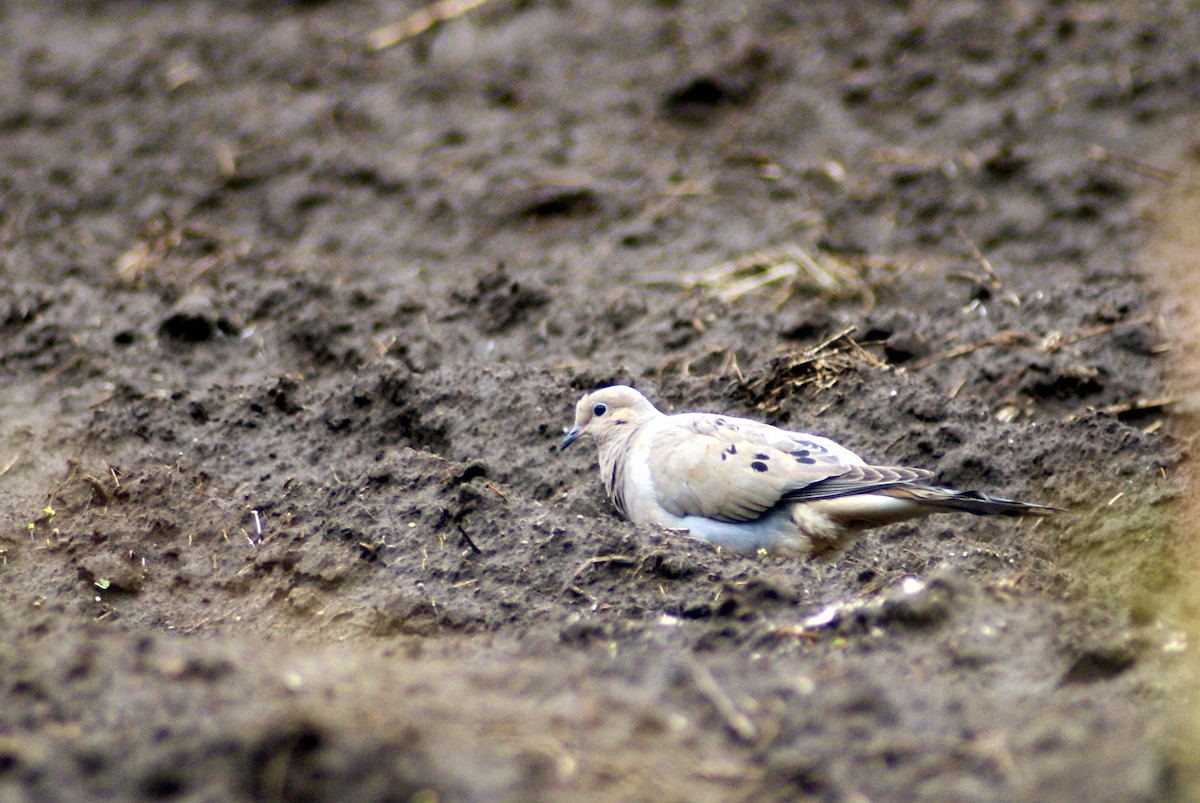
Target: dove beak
[[570, 438]]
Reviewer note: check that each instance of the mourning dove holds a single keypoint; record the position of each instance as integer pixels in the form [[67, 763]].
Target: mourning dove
[[747, 486]]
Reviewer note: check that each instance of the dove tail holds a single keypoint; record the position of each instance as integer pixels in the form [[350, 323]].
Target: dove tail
[[946, 499]]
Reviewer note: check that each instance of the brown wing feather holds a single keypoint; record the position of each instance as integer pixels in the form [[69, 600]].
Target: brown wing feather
[[859, 480]]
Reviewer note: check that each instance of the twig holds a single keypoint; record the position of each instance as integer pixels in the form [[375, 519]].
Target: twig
[[488, 484], [829, 341], [1048, 344], [1138, 405], [467, 538], [622, 560], [740, 725], [1099, 154], [579, 592], [732, 363], [1099, 329], [818, 367], [420, 21], [1005, 338], [69, 365], [202, 623], [106, 496], [72, 472], [8, 466], [983, 261]]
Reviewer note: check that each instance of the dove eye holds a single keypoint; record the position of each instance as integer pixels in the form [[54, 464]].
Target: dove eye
[[600, 409]]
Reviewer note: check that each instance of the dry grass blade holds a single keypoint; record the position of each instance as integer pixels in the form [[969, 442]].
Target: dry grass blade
[[1009, 337], [1138, 406], [1047, 344], [158, 239], [1100, 154], [618, 560], [740, 725], [1054, 340], [788, 267], [168, 253], [420, 21]]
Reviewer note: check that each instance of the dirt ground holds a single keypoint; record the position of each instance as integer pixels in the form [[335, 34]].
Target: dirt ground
[[291, 323]]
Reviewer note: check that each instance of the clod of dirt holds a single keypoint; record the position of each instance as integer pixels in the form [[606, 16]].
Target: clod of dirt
[[21, 303], [541, 203], [582, 629], [208, 668], [287, 396], [1006, 160], [502, 301], [1143, 338], [195, 320], [112, 572], [813, 320], [1071, 381], [911, 601], [923, 605], [905, 345], [734, 84], [1103, 662]]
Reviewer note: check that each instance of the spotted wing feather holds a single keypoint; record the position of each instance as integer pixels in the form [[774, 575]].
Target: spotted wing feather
[[733, 470], [856, 477]]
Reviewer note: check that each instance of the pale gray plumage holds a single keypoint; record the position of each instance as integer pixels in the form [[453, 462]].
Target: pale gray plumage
[[748, 486]]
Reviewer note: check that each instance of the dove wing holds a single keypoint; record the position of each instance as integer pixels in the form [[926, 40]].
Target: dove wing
[[733, 470], [857, 477]]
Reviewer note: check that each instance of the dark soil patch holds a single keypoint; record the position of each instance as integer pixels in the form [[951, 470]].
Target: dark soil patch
[[290, 327]]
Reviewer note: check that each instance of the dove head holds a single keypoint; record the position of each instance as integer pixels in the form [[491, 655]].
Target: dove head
[[606, 413]]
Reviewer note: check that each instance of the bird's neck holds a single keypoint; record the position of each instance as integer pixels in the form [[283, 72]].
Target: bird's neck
[[613, 461]]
